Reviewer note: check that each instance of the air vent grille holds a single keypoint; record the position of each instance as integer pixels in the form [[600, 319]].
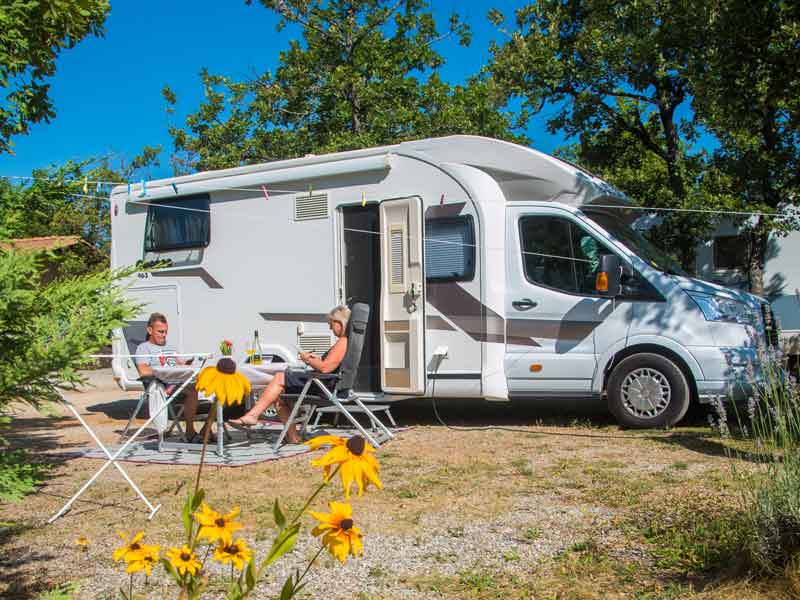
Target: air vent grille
[[318, 344], [308, 207], [397, 255]]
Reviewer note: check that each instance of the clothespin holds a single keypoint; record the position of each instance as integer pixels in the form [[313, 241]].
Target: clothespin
[[144, 189], [441, 200], [266, 193], [129, 189], [175, 188], [310, 190], [85, 185], [363, 199]]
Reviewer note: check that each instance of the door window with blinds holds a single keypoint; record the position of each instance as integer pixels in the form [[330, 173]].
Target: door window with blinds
[[450, 249]]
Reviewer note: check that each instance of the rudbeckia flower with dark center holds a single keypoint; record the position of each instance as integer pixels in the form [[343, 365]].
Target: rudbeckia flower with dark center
[[146, 561], [184, 560], [237, 552], [132, 550], [339, 533], [225, 381], [215, 526], [354, 455]]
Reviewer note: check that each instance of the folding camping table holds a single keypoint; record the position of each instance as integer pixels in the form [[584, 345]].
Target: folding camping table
[[112, 459]]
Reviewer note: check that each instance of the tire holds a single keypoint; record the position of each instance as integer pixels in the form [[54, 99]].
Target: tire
[[648, 391]]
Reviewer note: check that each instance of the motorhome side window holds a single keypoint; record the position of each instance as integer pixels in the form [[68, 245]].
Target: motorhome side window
[[177, 224], [450, 249], [559, 254]]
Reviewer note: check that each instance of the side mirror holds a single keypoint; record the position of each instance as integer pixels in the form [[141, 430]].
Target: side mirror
[[609, 274]]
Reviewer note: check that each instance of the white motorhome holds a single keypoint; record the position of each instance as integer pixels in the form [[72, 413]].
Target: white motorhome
[[723, 260], [481, 261]]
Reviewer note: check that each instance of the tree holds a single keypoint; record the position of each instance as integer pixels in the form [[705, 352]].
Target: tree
[[54, 202], [365, 73], [747, 92], [32, 35], [49, 331], [620, 75], [616, 76]]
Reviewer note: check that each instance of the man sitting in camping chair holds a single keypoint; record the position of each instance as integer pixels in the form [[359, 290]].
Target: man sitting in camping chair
[[155, 352], [293, 382]]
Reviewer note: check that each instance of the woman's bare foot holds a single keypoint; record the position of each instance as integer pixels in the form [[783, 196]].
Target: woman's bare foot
[[247, 420]]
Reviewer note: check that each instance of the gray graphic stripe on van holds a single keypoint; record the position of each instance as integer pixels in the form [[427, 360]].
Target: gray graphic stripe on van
[[564, 331], [478, 321], [191, 272], [438, 323], [296, 317]]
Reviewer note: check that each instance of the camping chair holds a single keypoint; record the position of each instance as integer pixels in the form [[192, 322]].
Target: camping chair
[[147, 382], [343, 399]]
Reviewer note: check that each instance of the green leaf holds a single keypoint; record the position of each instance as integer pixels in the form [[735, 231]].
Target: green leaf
[[282, 544], [288, 591], [250, 575], [170, 570], [280, 519]]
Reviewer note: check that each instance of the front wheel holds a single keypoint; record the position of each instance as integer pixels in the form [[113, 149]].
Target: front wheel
[[648, 391]]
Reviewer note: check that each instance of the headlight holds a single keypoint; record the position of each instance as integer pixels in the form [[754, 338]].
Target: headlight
[[716, 308]]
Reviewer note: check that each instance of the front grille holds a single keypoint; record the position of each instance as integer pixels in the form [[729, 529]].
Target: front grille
[[771, 328]]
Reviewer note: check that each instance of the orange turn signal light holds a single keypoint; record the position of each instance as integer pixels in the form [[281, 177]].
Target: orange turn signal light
[[601, 282], [535, 368]]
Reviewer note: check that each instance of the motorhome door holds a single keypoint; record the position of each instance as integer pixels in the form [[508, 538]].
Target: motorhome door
[[402, 297]]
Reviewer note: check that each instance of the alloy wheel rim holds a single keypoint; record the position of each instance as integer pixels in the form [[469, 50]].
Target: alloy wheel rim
[[646, 393]]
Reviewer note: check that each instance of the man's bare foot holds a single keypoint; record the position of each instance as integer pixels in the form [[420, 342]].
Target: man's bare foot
[[246, 420]]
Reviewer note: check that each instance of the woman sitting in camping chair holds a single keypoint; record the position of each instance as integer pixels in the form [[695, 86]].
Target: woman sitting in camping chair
[[293, 382]]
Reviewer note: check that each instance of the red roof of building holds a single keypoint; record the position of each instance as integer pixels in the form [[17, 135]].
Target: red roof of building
[[38, 244]]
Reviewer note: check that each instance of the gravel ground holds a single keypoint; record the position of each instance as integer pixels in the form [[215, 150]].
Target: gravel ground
[[454, 503]]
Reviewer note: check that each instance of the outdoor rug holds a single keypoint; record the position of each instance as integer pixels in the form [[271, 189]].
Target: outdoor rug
[[237, 454]]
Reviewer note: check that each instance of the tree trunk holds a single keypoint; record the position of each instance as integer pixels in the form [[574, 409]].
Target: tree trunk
[[757, 243]]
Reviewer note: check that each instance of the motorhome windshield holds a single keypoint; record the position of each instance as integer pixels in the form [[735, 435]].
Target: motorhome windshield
[[637, 243]]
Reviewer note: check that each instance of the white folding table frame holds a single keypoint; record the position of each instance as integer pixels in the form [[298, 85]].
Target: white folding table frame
[[112, 459]]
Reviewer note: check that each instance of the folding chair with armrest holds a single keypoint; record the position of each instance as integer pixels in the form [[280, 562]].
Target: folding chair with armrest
[[342, 398]]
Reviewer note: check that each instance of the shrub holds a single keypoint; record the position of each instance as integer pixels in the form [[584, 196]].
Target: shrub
[[48, 331], [771, 496]]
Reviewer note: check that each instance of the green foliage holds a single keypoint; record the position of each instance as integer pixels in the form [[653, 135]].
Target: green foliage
[[68, 591], [771, 495], [689, 542], [364, 73], [47, 332], [19, 475], [32, 35], [54, 202], [639, 83]]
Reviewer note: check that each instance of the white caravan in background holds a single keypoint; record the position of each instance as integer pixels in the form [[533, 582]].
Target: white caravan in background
[[481, 261]]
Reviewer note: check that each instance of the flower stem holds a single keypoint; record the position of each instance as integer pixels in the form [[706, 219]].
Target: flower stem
[[206, 431], [313, 496], [130, 588], [309, 565]]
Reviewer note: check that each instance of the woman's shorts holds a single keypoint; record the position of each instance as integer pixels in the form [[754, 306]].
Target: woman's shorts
[[295, 380]]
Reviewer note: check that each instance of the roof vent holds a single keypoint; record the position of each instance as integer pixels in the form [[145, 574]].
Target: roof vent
[[307, 207]]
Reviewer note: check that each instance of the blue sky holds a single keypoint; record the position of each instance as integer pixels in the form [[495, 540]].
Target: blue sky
[[107, 91]]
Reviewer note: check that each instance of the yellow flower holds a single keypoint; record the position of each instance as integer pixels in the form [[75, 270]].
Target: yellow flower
[[224, 381], [355, 457], [215, 526], [146, 561], [237, 551], [184, 560], [83, 543], [132, 550], [341, 537]]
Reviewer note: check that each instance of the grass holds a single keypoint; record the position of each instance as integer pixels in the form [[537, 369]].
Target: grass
[[67, 591]]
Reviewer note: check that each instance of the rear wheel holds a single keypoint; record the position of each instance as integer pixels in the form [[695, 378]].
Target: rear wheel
[[648, 390]]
